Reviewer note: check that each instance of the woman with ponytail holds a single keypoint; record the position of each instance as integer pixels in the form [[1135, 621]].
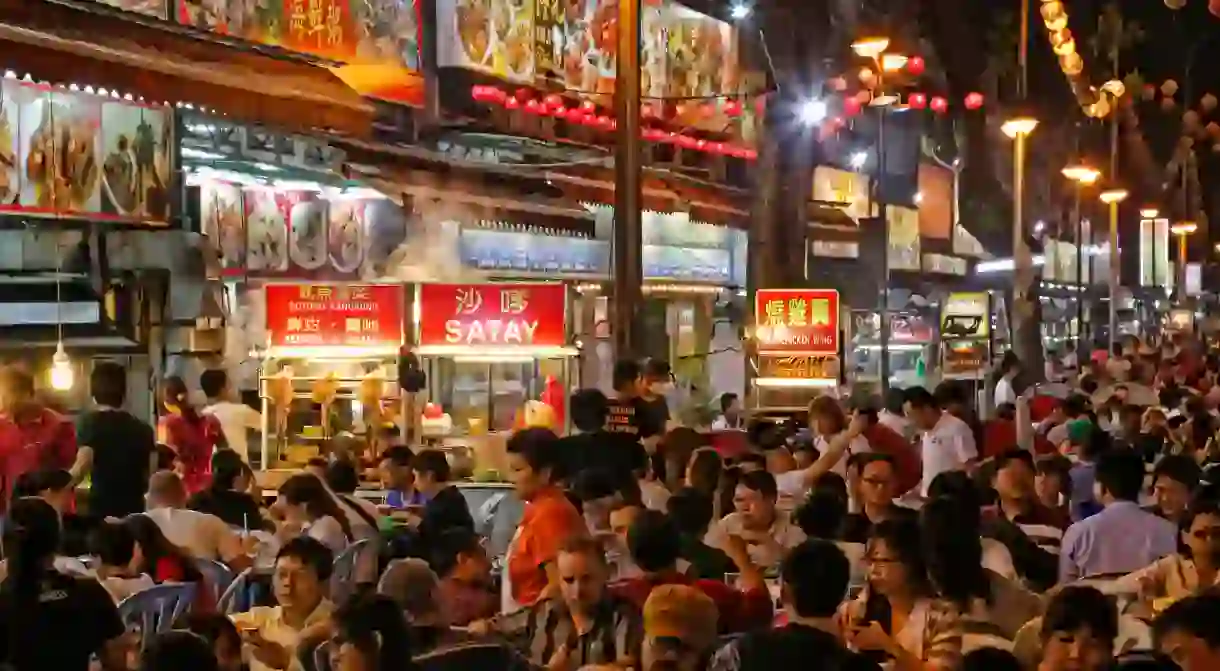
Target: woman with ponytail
[[48, 619], [192, 436]]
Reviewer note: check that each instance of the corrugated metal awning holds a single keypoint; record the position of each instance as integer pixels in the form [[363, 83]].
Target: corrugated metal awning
[[66, 43]]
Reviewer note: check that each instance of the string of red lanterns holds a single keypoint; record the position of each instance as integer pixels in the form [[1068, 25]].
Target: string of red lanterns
[[586, 114]]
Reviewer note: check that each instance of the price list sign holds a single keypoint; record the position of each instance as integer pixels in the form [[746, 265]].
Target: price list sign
[[334, 314]]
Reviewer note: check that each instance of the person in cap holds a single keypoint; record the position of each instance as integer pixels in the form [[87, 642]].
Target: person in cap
[[679, 629]]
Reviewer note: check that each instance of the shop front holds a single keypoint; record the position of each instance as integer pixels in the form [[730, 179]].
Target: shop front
[[966, 347], [329, 367], [497, 356]]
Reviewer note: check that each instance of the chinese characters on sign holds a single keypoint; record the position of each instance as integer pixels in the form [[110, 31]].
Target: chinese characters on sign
[[312, 314], [493, 315], [797, 321]]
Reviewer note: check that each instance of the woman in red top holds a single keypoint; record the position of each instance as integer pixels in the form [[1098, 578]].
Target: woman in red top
[[192, 436], [163, 561]]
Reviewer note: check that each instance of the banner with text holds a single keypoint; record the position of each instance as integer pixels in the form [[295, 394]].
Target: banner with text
[[797, 321], [334, 314], [500, 315]]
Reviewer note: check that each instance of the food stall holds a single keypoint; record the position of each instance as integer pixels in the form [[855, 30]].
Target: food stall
[[497, 356], [965, 338], [910, 346], [329, 368], [796, 350]]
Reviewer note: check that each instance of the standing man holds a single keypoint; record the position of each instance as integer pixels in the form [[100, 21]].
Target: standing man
[[947, 444], [236, 419], [628, 411], [116, 447]]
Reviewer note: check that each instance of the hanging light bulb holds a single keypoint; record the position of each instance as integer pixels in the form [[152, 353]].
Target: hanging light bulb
[[62, 375]]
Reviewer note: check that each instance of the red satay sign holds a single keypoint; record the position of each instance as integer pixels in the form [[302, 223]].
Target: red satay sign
[[493, 315], [797, 321], [334, 314]]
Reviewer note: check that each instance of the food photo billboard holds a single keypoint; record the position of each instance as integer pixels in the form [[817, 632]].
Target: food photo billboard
[[68, 153]]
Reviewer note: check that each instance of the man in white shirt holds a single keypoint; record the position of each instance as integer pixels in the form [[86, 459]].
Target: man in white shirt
[[236, 419], [948, 442], [204, 536], [893, 417]]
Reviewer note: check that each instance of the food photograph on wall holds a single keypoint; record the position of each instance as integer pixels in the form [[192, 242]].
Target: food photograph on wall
[[71, 153]]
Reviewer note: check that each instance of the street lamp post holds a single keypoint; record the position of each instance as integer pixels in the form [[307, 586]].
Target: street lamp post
[[1182, 229], [1112, 197], [1019, 129], [874, 48], [1083, 176]]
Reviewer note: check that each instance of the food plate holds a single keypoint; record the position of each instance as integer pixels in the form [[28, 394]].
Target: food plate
[[307, 243]]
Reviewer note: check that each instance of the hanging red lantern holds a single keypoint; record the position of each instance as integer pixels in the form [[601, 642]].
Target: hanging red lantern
[[478, 92], [974, 100], [1213, 6], [939, 104], [512, 103], [851, 106], [917, 101], [588, 106], [604, 121], [524, 94], [732, 107], [915, 65], [554, 101], [533, 106]]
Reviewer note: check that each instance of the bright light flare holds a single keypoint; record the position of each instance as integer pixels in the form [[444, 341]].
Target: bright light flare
[[1081, 174], [1113, 196], [62, 375], [813, 112], [740, 11], [858, 160], [870, 47]]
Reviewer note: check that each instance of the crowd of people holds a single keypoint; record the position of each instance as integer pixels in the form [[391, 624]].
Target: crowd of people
[[1073, 533]]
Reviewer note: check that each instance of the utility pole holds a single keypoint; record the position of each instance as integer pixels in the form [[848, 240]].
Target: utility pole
[[628, 270]]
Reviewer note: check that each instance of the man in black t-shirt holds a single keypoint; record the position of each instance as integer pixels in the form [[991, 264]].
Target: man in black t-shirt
[[628, 412], [595, 446], [815, 575], [116, 447]]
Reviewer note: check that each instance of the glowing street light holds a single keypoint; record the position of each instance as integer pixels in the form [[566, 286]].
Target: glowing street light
[[1019, 126], [1184, 228], [740, 11], [1149, 213], [858, 160], [1081, 174], [870, 47], [893, 62], [1113, 196]]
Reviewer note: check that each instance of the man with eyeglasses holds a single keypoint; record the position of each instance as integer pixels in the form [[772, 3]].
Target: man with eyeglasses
[[877, 489]]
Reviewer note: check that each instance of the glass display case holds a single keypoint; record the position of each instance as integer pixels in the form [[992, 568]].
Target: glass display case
[[307, 403], [482, 394]]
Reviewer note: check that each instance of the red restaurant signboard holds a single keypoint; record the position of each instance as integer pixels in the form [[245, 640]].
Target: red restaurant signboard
[[797, 321], [493, 315], [334, 314]]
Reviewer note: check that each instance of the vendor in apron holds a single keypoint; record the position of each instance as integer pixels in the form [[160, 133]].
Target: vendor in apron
[[534, 459]]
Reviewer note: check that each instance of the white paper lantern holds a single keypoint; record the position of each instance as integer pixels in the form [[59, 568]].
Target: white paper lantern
[[1149, 92], [1168, 104], [1170, 87], [1190, 119], [1208, 102], [1213, 129]]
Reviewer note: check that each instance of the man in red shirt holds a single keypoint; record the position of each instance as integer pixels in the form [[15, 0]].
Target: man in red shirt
[[32, 436], [655, 544]]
